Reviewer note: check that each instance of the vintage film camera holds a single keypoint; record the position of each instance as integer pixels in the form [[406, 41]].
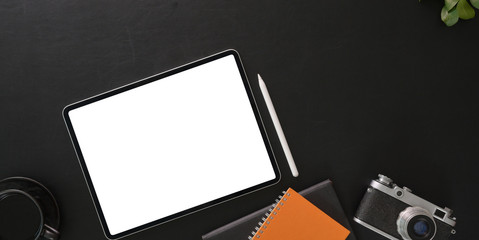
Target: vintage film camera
[[396, 213]]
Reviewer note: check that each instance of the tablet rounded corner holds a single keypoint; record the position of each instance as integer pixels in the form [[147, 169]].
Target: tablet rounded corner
[[109, 236], [66, 110], [232, 51]]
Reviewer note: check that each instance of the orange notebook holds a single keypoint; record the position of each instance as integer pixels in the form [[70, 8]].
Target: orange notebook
[[293, 217]]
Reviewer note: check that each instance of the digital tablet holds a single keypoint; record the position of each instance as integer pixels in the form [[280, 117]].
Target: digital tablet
[[171, 144]]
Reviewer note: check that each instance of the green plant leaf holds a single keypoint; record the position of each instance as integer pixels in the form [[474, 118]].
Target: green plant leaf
[[450, 4], [449, 17], [475, 3], [465, 10]]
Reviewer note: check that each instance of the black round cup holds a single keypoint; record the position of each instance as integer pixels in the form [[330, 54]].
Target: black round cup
[[28, 211]]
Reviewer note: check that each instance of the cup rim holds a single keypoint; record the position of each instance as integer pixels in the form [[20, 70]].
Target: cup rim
[[11, 192]]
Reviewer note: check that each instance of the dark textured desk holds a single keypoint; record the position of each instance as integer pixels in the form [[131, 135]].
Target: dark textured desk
[[361, 87]]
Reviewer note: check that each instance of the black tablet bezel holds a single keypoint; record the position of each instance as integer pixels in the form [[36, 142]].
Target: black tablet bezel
[[145, 81]]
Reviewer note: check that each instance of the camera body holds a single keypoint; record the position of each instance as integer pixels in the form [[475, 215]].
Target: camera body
[[396, 213]]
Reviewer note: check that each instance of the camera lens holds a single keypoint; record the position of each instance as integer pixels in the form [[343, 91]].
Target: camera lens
[[415, 223], [421, 228]]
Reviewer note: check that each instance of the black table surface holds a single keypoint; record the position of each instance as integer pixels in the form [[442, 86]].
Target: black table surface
[[361, 88]]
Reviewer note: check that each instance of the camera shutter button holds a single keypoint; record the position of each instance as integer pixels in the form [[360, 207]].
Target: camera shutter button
[[407, 189], [385, 180]]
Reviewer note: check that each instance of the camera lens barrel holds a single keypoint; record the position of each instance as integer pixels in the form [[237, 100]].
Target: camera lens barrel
[[415, 223]]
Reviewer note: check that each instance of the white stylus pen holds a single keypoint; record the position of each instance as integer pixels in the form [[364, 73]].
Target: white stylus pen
[[277, 126]]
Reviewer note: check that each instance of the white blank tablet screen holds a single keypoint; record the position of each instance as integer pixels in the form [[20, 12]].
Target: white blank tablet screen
[[171, 144]]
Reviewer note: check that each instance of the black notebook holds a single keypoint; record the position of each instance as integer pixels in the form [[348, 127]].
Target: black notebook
[[322, 195]]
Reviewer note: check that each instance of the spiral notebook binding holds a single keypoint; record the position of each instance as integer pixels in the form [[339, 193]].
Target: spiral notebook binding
[[272, 211]]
